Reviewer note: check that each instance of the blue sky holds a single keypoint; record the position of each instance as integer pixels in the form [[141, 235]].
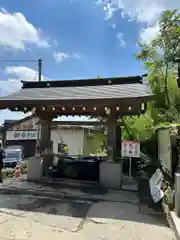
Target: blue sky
[[75, 38]]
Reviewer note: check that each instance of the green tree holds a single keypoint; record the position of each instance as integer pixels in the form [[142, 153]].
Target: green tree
[[139, 128], [159, 58]]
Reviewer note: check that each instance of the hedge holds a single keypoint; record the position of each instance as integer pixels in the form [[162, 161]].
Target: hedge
[[10, 172]]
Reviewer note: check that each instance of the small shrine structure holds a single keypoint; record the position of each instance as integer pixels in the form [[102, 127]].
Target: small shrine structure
[[109, 98]]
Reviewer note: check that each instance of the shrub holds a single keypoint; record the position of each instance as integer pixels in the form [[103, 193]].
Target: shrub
[[10, 172]]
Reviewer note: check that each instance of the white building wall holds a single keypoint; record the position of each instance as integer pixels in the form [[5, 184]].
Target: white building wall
[[73, 138]]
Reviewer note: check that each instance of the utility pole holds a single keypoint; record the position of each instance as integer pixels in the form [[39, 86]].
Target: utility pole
[[39, 69], [38, 126], [39, 65]]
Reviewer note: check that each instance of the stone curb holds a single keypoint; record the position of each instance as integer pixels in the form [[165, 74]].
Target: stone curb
[[172, 220], [62, 195]]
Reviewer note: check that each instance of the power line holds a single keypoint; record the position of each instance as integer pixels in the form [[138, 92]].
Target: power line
[[18, 61], [39, 64]]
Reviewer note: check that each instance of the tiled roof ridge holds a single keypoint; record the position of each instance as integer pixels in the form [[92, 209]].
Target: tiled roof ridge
[[84, 82]]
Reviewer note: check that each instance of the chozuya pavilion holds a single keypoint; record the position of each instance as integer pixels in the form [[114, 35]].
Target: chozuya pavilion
[[100, 97]]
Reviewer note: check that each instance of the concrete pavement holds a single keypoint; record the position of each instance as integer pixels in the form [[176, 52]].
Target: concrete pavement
[[67, 189], [31, 217]]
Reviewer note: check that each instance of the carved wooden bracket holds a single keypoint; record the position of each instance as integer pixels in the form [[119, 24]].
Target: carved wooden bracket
[[45, 115]]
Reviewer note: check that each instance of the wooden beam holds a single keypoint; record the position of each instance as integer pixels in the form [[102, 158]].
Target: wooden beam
[[79, 123], [15, 103], [133, 108]]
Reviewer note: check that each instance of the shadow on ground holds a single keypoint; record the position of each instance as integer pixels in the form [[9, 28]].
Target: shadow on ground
[[15, 204]]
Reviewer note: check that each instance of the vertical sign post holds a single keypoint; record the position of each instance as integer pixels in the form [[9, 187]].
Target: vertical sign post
[[130, 149]]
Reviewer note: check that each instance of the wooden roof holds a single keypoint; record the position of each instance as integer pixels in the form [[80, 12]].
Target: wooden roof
[[79, 92], [89, 97]]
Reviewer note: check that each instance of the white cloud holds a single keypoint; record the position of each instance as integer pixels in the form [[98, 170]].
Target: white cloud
[[9, 86], [16, 31], [149, 33], [13, 84], [77, 55], [143, 11], [109, 10], [15, 75], [120, 37], [61, 56], [22, 72]]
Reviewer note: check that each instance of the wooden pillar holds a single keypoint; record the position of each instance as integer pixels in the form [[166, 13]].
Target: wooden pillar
[[113, 138], [111, 170], [45, 133], [45, 146], [118, 142]]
